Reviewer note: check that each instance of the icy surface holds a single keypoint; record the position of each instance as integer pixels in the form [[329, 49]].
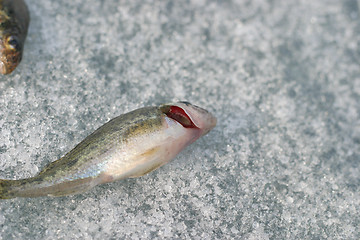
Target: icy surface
[[283, 78]]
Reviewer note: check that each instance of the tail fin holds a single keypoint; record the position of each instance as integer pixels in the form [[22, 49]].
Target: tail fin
[[5, 188]]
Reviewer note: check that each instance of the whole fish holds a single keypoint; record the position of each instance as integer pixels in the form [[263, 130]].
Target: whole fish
[[128, 146], [14, 23]]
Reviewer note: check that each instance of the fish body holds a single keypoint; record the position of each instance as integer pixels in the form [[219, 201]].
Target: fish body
[[128, 146], [14, 23]]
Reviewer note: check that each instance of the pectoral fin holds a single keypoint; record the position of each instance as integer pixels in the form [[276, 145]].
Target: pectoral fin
[[144, 171]]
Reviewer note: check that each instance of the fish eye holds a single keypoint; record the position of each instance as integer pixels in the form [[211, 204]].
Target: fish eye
[[185, 102], [12, 43]]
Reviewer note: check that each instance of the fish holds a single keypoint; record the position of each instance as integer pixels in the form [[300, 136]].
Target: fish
[[14, 23], [128, 146]]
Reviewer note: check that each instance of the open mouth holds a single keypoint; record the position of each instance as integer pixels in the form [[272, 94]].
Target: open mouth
[[3, 69], [178, 114]]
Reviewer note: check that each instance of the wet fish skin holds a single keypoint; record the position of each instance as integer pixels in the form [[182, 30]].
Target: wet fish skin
[[14, 23], [130, 145]]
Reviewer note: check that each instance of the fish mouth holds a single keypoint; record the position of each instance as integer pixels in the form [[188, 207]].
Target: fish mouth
[[190, 116], [9, 60], [3, 68], [6, 67]]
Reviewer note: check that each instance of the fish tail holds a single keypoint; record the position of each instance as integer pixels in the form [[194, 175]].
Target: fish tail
[[7, 188], [35, 187]]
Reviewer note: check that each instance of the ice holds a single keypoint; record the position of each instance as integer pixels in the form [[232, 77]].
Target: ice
[[282, 77]]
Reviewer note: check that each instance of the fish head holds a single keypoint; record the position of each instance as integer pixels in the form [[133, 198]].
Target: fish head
[[157, 135], [10, 52], [191, 117], [14, 22]]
